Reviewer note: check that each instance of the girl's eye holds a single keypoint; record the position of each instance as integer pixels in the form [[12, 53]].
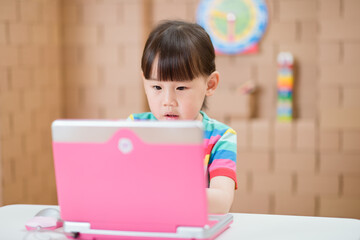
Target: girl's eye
[[181, 88], [157, 87]]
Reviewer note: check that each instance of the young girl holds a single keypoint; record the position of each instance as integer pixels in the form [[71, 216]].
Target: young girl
[[178, 66]]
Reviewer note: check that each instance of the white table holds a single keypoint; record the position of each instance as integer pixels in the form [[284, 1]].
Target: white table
[[245, 226]]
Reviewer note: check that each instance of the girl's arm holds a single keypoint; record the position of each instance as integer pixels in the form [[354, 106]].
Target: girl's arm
[[220, 194]]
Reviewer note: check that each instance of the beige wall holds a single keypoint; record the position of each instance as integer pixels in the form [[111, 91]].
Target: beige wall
[[308, 167], [30, 98], [102, 45]]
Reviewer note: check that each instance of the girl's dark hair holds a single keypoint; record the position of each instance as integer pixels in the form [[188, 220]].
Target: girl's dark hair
[[184, 52]]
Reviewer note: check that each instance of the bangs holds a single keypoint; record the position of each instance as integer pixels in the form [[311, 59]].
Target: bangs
[[181, 66], [174, 63], [176, 52]]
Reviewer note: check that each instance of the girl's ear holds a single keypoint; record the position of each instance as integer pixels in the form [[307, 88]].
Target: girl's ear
[[143, 82], [212, 82], [142, 75]]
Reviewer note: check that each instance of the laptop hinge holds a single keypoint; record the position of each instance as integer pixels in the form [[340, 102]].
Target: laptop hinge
[[85, 228], [76, 226], [184, 232]]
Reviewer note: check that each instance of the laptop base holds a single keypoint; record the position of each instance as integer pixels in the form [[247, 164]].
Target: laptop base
[[217, 225]]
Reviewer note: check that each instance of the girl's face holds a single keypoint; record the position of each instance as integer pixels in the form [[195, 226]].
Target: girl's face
[[172, 100]]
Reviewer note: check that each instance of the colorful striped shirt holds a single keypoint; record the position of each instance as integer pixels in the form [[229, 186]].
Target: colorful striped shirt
[[220, 146]]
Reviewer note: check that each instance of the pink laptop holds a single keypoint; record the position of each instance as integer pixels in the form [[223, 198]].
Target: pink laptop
[[133, 180]]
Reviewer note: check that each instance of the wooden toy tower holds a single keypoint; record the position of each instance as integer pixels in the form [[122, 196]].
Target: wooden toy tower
[[285, 83]]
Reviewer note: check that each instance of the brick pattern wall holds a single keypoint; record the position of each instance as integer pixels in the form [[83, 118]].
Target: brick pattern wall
[[30, 98], [339, 104], [103, 43], [308, 167]]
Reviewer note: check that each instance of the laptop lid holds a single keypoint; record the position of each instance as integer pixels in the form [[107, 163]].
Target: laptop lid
[[130, 175]]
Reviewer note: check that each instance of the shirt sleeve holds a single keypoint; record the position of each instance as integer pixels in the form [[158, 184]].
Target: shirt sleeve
[[223, 156], [130, 118]]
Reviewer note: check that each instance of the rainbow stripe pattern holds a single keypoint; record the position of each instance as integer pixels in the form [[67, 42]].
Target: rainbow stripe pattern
[[285, 83], [220, 144]]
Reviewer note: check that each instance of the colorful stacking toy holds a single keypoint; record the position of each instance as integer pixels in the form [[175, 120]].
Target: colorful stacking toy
[[285, 83]]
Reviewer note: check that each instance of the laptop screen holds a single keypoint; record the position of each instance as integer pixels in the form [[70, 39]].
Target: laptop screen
[[130, 176]]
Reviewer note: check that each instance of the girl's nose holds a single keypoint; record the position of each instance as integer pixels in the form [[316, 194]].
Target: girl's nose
[[169, 99]]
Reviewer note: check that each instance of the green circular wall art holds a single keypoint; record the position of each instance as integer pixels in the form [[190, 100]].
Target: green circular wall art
[[234, 26]]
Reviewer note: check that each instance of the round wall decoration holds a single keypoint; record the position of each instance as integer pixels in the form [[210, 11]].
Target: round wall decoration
[[234, 26]]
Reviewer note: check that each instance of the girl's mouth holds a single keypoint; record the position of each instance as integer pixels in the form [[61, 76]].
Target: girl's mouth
[[171, 117]]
